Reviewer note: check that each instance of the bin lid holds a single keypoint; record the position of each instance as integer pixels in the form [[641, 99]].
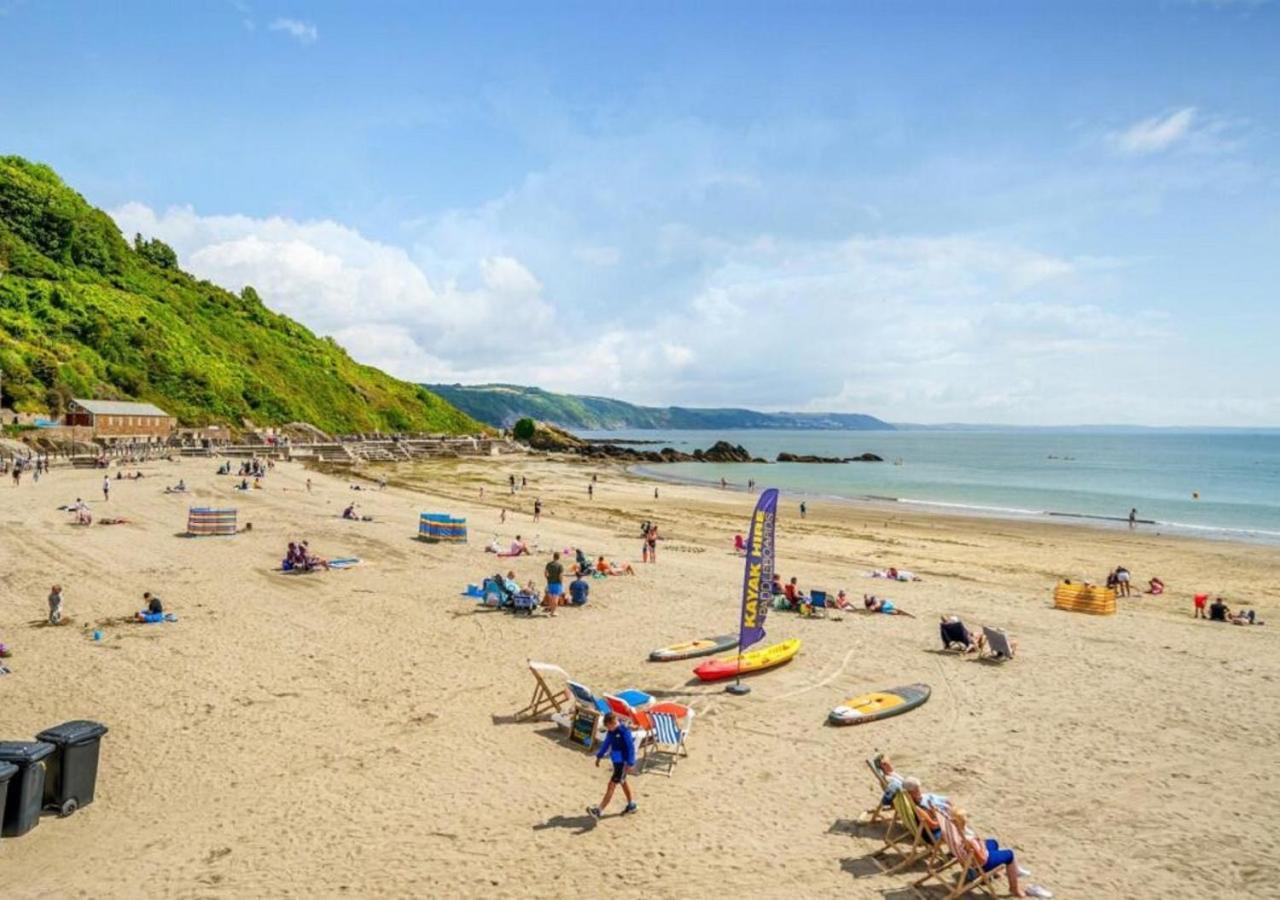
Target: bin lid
[[7, 771], [24, 752], [79, 731]]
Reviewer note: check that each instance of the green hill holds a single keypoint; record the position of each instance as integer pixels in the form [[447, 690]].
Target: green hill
[[83, 313], [501, 405]]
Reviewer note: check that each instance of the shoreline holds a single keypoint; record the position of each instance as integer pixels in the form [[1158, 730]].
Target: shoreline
[[1250, 537]]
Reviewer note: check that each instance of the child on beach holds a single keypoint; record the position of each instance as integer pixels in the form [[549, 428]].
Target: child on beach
[[621, 747], [1200, 600], [55, 605]]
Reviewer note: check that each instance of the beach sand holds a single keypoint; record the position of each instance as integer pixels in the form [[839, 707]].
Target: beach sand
[[349, 733]]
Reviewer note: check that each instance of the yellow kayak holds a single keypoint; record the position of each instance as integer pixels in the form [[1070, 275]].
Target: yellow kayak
[[746, 663]]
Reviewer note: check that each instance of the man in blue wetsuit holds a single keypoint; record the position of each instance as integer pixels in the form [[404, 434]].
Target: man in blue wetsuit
[[621, 748]]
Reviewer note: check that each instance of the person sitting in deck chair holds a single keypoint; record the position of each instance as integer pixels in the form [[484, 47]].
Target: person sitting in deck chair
[[955, 636]]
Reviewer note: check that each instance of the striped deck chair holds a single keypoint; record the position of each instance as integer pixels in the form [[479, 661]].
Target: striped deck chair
[[669, 737], [971, 875], [639, 721]]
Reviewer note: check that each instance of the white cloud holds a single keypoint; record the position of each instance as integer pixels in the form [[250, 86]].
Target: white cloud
[[302, 32], [923, 328], [1156, 133]]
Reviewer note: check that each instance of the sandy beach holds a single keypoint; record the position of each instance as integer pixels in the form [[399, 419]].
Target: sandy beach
[[350, 733]]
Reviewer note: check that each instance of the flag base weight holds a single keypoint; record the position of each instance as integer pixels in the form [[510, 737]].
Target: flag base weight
[[738, 689]]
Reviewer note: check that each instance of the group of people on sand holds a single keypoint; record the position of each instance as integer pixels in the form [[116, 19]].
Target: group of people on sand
[[789, 597], [152, 610], [300, 558], [935, 812], [1220, 612]]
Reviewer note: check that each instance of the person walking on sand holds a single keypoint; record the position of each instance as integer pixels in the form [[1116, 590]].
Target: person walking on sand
[[621, 747], [537, 509], [502, 516], [555, 583], [106, 488], [1133, 518], [591, 491], [308, 485], [803, 509]]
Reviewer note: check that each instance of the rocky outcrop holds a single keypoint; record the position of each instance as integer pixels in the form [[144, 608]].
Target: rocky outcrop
[[556, 440], [798, 458]]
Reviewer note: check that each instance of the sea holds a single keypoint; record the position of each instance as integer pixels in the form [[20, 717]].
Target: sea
[[1212, 484]]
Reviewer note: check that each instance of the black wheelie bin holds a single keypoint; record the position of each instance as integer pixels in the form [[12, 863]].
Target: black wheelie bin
[[25, 796], [73, 769]]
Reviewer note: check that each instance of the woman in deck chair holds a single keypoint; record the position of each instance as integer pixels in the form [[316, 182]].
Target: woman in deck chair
[[928, 806], [955, 636], [988, 853]]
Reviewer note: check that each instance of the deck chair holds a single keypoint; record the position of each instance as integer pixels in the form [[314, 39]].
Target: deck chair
[[668, 737], [905, 840], [877, 811], [996, 644], [971, 875], [582, 694], [640, 722], [524, 603], [545, 698], [818, 603]]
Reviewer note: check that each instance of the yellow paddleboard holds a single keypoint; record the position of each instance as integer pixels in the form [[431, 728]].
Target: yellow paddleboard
[[879, 705]]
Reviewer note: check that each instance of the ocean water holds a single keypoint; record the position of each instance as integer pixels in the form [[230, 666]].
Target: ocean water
[[1069, 473]]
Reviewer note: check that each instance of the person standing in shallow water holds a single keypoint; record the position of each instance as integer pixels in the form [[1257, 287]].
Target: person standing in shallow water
[[1133, 519]]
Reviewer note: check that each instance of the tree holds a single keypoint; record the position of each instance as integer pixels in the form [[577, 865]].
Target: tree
[[524, 429], [156, 252]]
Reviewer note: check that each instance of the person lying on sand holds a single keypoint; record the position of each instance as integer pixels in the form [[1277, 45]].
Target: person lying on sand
[[608, 568], [113, 520], [883, 605], [955, 636], [894, 574]]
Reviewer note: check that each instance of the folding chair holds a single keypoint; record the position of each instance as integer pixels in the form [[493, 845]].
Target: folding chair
[[971, 875], [545, 698], [669, 737], [996, 644], [878, 810], [818, 603], [905, 840]]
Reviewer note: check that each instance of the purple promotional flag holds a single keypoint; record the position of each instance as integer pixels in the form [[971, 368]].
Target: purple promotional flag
[[757, 582]]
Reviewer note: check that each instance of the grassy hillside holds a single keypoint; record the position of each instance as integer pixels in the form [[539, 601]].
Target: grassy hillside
[[501, 405], [85, 313]]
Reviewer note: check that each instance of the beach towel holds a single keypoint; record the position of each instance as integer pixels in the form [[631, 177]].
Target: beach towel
[[151, 618]]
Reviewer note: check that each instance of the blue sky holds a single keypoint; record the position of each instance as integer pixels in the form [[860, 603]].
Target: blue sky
[[1026, 213]]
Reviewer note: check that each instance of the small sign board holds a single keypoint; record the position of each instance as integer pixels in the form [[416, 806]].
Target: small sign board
[[583, 732]]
